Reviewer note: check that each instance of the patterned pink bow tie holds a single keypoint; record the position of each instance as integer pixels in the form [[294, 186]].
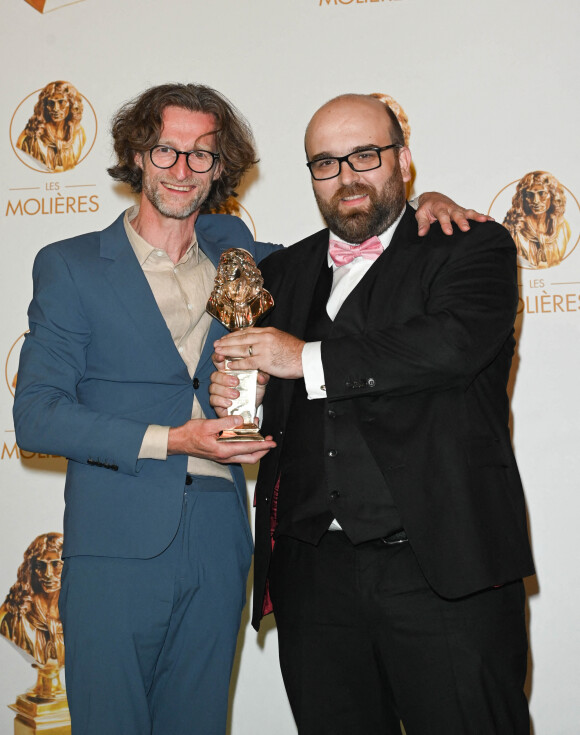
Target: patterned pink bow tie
[[342, 254]]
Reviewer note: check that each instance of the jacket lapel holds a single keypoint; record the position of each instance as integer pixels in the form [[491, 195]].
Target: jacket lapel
[[374, 294], [297, 284], [296, 287], [132, 289]]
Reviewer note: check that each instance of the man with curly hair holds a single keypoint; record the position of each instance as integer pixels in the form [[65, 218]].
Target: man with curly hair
[[114, 375]]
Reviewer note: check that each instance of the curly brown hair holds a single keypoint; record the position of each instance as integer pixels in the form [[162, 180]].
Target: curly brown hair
[[137, 126], [37, 123], [515, 217], [19, 599]]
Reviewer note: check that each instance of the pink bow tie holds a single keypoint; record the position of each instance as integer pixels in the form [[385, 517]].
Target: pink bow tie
[[342, 254]]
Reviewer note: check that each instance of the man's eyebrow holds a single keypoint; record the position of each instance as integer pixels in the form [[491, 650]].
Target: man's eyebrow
[[356, 149], [324, 154], [366, 147]]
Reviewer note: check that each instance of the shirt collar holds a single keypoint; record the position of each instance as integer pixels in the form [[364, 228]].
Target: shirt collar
[[142, 248], [385, 237]]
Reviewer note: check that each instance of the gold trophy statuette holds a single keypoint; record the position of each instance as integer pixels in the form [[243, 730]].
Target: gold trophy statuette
[[29, 618], [238, 300]]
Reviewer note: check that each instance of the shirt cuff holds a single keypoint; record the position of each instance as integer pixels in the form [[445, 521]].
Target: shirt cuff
[[154, 444], [313, 370]]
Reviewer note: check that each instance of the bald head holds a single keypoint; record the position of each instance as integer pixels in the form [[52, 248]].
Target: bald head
[[345, 114]]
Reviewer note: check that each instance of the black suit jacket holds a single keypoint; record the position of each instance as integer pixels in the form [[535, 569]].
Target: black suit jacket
[[419, 360]]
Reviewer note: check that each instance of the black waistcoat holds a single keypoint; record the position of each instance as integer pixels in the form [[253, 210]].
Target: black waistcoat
[[326, 469]]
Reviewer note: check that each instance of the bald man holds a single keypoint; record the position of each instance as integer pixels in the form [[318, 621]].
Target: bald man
[[392, 500]]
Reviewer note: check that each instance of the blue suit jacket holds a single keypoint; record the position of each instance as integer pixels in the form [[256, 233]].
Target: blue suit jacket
[[98, 366]]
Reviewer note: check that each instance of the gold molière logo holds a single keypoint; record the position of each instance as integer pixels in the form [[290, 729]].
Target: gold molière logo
[[47, 6], [11, 366], [543, 217], [54, 128]]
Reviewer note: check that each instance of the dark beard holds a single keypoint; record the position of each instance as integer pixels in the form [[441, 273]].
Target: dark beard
[[385, 207]]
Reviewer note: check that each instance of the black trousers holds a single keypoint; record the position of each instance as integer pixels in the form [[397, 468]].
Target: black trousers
[[365, 642]]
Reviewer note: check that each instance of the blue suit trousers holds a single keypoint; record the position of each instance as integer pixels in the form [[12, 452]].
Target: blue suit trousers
[[150, 643]]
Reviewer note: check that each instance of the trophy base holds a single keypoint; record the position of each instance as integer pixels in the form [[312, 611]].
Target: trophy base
[[245, 406], [242, 434], [44, 707], [34, 716]]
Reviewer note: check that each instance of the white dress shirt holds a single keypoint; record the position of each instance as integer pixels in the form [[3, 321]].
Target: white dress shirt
[[344, 280]]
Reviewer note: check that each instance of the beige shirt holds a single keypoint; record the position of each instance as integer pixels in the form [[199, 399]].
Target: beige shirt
[[181, 291]]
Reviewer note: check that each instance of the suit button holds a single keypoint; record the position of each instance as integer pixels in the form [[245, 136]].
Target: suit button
[[196, 383], [334, 495], [332, 452], [188, 480], [371, 382], [331, 414]]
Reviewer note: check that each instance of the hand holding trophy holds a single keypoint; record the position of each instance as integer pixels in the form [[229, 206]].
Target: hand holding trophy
[[238, 300]]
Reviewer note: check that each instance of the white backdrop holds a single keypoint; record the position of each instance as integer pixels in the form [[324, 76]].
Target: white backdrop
[[491, 94]]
